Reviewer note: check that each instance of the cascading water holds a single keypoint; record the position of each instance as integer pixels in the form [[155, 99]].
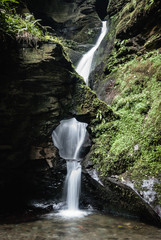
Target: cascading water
[[73, 186], [84, 66], [69, 137]]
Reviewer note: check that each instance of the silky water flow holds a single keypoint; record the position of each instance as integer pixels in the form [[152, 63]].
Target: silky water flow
[[84, 66], [69, 137]]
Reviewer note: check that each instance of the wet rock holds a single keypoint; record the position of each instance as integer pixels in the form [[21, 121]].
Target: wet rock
[[130, 36], [75, 20], [34, 98], [37, 92], [118, 197]]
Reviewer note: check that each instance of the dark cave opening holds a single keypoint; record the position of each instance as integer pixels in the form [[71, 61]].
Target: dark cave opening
[[56, 13], [101, 8]]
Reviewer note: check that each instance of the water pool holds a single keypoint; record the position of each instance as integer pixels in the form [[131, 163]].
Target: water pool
[[91, 227]]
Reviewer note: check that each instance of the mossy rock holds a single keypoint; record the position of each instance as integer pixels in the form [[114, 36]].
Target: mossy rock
[[129, 147]]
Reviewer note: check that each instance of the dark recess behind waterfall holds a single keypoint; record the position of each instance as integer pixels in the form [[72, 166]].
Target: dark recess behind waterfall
[[101, 8], [40, 13]]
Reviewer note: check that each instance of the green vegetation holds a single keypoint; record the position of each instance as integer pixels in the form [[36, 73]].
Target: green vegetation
[[86, 103], [128, 34], [22, 28], [132, 143], [130, 146]]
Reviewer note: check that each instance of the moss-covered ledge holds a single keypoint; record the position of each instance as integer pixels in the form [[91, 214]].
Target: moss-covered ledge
[[86, 103]]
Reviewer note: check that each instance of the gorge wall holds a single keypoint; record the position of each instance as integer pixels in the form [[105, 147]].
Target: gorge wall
[[39, 87], [127, 151], [74, 20]]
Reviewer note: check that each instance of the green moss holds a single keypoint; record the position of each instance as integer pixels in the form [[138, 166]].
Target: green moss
[[125, 27], [85, 102], [132, 142], [121, 53], [131, 12], [22, 28], [149, 3]]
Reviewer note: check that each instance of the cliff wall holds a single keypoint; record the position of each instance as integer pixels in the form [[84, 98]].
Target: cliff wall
[[128, 150]]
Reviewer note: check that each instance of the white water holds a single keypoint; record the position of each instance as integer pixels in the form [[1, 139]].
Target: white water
[[73, 186], [69, 137], [84, 66]]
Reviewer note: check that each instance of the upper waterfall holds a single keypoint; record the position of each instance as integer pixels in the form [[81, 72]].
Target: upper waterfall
[[84, 66]]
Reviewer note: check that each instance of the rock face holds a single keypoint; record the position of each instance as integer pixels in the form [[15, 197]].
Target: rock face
[[34, 97], [39, 87], [134, 29], [38, 91], [126, 152], [74, 20], [34, 91]]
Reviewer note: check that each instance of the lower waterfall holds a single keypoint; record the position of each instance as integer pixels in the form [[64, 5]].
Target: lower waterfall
[[69, 137], [73, 184]]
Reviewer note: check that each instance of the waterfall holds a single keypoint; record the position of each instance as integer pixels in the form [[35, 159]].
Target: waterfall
[[69, 137], [73, 184], [84, 66]]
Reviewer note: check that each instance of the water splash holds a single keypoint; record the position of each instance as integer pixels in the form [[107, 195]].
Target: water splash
[[84, 66]]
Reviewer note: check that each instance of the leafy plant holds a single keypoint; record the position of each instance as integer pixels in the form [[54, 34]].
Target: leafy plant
[[25, 29], [132, 143]]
